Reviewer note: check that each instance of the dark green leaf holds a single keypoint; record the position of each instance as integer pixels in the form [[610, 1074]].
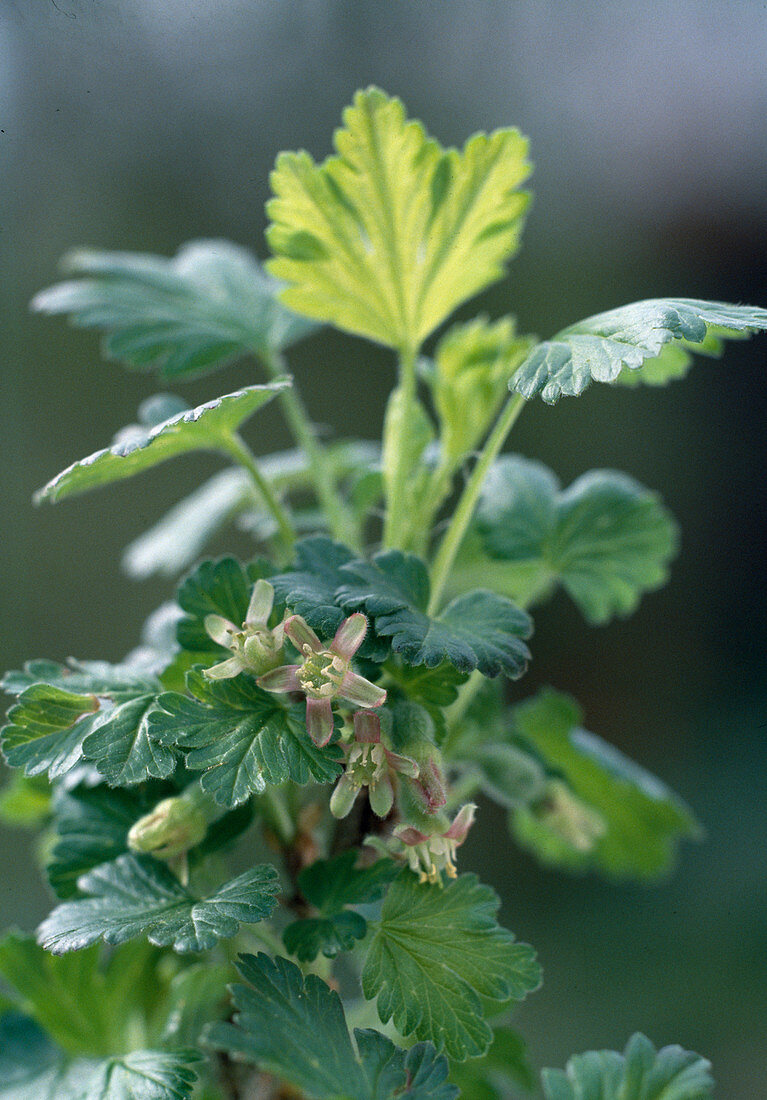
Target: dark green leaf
[[640, 1073], [644, 820], [435, 953], [184, 316], [136, 896], [121, 747], [214, 588], [600, 347], [606, 539], [241, 738], [295, 1028], [477, 630], [208, 427], [46, 730], [309, 588], [331, 885]]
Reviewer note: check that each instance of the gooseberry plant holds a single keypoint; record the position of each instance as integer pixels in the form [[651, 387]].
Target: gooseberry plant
[[253, 822]]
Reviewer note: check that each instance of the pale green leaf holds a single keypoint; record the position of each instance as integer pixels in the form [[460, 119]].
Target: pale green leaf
[[437, 951], [600, 348], [640, 1073], [185, 316], [644, 821], [294, 1027], [139, 896], [207, 427], [407, 433], [46, 730], [387, 237], [606, 539]]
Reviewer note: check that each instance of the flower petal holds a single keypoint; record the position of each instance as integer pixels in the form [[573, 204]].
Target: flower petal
[[381, 796], [284, 678], [233, 666], [301, 634], [410, 836], [462, 822], [261, 603], [367, 727], [360, 692], [402, 764], [220, 629], [349, 636], [319, 720], [342, 798]]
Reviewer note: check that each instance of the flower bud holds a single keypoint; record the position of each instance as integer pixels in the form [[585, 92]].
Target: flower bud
[[172, 828]]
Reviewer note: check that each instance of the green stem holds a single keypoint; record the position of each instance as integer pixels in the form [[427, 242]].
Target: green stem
[[395, 451], [235, 446], [454, 535], [462, 790], [466, 693], [342, 523], [276, 814]]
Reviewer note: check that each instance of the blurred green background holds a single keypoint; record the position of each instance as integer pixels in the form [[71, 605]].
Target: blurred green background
[[143, 124]]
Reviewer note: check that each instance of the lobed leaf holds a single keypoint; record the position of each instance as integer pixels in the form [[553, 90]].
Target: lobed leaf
[[477, 630], [294, 1026], [116, 682], [644, 820], [640, 1073], [207, 427], [388, 236], [135, 896], [121, 747], [606, 539], [435, 953], [46, 730], [186, 316], [240, 737], [603, 347]]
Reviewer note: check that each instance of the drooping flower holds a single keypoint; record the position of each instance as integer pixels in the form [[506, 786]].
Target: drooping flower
[[429, 854], [325, 673], [369, 764], [254, 647]]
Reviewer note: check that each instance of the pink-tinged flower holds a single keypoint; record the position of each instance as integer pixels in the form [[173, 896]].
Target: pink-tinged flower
[[431, 854], [255, 647], [325, 673], [369, 764]]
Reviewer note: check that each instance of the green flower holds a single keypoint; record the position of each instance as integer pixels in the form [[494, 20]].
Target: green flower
[[369, 764], [255, 647]]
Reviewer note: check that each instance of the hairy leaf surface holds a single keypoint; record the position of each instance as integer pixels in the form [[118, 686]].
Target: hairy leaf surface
[[139, 896], [600, 348], [640, 1073], [185, 316], [606, 539], [207, 427], [294, 1026], [241, 738], [435, 953], [644, 819], [388, 236]]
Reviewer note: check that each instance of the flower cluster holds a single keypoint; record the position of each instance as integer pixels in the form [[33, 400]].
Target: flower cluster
[[370, 764]]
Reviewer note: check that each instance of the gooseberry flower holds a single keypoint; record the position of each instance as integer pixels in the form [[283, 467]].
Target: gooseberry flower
[[430, 854], [369, 764], [325, 673], [255, 647], [572, 820]]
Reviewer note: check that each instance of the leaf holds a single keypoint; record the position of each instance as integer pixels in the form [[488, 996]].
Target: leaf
[[121, 747], [25, 801], [195, 997], [136, 896], [186, 316], [435, 953], [92, 825], [83, 1001], [640, 1073], [241, 738], [294, 1027], [600, 347], [116, 682], [208, 427], [502, 1069], [644, 819], [472, 366], [407, 434], [146, 1075], [606, 539], [331, 885], [477, 630], [386, 238], [46, 730]]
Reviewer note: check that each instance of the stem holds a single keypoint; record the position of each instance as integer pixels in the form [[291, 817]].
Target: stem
[[462, 790], [395, 450], [235, 446], [466, 693], [342, 523], [454, 535]]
